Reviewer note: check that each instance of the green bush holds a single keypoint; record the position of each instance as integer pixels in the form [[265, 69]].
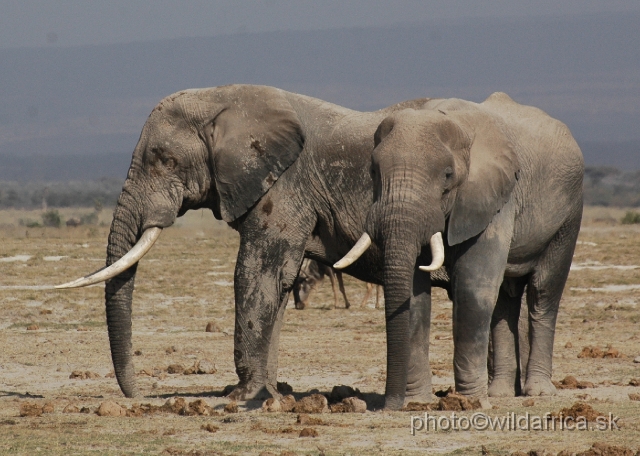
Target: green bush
[[51, 218], [631, 218]]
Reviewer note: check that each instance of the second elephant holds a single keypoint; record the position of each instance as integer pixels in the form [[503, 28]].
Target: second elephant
[[503, 183]]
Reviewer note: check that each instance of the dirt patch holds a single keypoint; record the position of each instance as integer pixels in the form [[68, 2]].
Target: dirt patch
[[570, 382]]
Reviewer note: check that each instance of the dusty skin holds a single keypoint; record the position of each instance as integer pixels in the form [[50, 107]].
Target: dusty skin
[[185, 282]]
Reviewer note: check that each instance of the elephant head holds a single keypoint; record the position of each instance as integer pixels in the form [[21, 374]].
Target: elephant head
[[445, 170], [219, 148]]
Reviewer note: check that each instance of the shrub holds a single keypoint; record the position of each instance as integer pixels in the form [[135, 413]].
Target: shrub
[[51, 218], [631, 218]]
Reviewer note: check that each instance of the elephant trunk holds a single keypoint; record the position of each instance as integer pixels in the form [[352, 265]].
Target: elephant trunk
[[125, 231]]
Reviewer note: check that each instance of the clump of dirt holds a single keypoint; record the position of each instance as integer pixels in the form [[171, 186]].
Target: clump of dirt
[[457, 402], [349, 405], [595, 352], [175, 369], [46, 312], [307, 420], [171, 349], [601, 449], [634, 396], [528, 402], [70, 408], [568, 345], [86, 375], [570, 382], [111, 408], [31, 409], [209, 427], [309, 432], [419, 407], [577, 410], [201, 367], [33, 327], [212, 326], [231, 407], [285, 404], [634, 382], [316, 403]]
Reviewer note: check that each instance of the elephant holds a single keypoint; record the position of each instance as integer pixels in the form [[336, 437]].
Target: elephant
[[290, 173], [502, 183]]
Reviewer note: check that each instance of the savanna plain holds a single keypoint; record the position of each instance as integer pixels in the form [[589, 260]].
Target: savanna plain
[[56, 372]]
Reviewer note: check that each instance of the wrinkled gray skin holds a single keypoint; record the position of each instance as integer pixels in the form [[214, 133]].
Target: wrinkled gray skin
[[311, 274], [503, 182], [291, 174]]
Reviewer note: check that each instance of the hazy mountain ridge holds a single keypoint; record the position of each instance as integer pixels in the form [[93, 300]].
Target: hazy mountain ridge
[[71, 102]]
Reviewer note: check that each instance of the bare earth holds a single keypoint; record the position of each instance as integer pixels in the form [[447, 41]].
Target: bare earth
[[186, 281]]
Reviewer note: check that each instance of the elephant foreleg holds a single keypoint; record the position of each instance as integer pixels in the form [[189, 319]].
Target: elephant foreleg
[[419, 374]]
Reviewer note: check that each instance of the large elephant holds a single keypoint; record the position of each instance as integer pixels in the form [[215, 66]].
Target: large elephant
[[290, 173], [503, 183]]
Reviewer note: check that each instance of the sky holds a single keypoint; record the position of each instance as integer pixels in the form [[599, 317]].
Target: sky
[[33, 23]]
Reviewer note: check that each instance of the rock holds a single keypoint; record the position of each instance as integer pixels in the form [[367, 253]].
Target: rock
[[30, 409], [175, 369], [33, 327], [271, 405], [212, 327], [528, 403], [111, 408], [206, 367], [636, 359], [316, 403], [350, 405], [231, 407], [209, 427], [48, 407], [308, 432], [70, 408]]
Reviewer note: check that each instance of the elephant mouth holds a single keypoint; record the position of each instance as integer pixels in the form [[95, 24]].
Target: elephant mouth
[[144, 244], [437, 252]]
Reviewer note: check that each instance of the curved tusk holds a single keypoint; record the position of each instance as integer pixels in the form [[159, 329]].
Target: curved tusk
[[143, 245], [356, 252], [437, 253]]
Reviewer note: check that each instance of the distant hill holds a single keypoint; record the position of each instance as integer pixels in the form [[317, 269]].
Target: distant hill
[[76, 113]]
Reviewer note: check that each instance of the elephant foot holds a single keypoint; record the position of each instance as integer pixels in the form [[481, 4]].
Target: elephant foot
[[300, 305], [250, 391], [539, 386], [420, 397], [503, 387]]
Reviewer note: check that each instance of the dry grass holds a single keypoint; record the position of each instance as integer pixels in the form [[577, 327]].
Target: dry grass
[[184, 282]]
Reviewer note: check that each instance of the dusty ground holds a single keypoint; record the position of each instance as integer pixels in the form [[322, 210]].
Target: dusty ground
[[186, 282]]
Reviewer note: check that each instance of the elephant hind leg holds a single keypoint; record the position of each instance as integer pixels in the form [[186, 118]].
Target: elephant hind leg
[[544, 292], [504, 360]]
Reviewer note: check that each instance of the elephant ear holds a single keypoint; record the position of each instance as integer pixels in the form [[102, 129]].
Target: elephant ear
[[493, 172], [251, 142]]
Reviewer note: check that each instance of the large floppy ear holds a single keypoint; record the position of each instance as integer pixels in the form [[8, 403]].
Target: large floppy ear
[[251, 142], [493, 172]]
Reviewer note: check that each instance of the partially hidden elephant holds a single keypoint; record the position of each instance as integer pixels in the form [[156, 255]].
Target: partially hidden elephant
[[502, 183], [290, 173]]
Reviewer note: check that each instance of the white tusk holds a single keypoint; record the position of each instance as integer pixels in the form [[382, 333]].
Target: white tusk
[[143, 245], [356, 252], [437, 253]]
